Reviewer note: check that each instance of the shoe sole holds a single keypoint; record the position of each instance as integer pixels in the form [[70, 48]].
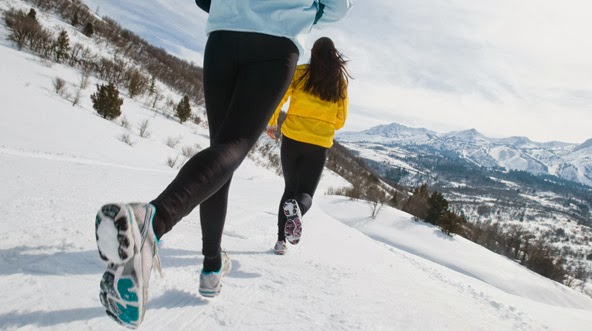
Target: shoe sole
[[106, 226], [120, 299], [293, 227], [279, 252], [121, 295], [209, 294]]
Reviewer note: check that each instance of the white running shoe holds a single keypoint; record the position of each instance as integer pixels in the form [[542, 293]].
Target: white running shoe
[[293, 227], [210, 282], [126, 240], [280, 248]]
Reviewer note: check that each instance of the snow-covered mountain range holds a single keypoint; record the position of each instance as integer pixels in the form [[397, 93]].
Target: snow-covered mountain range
[[542, 187], [571, 162]]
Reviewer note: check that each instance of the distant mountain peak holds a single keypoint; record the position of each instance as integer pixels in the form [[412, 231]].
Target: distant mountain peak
[[585, 144], [468, 133], [395, 130], [515, 141]]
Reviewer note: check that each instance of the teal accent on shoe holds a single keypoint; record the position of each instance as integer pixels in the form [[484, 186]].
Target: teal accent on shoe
[[123, 288], [130, 214], [152, 223], [212, 272], [129, 315]]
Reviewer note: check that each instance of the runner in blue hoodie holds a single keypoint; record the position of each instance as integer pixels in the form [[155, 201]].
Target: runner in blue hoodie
[[250, 58]]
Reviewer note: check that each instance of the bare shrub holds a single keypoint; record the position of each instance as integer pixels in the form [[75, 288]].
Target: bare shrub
[[76, 98], [125, 123], [84, 78], [80, 56], [22, 26], [173, 141], [337, 191], [59, 86], [154, 97], [143, 127], [111, 71], [189, 151], [171, 162], [196, 119], [126, 139], [82, 84]]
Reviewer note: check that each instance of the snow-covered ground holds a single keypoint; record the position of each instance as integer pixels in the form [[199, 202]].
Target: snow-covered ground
[[59, 164]]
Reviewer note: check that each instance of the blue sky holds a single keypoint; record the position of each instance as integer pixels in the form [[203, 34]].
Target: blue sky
[[505, 68]]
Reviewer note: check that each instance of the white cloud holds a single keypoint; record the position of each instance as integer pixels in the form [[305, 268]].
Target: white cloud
[[503, 67]]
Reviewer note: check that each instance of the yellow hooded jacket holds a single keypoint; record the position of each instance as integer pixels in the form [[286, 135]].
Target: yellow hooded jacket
[[310, 119]]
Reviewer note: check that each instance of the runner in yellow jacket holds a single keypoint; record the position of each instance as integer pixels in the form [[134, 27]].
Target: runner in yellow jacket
[[310, 119], [318, 107]]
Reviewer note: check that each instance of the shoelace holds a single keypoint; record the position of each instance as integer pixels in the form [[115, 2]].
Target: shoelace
[[156, 260]]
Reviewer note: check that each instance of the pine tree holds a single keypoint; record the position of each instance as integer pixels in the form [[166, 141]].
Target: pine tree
[[88, 30], [62, 46], [437, 206], [417, 204], [152, 88], [106, 101], [136, 83], [32, 14], [75, 20], [451, 223], [183, 109]]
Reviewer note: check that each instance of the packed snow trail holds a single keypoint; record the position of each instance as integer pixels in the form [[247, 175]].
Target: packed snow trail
[[337, 278]]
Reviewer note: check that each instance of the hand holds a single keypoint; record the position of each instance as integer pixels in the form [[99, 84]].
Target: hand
[[271, 130]]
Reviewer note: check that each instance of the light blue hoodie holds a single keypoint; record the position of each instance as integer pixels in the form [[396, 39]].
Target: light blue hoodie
[[292, 19]]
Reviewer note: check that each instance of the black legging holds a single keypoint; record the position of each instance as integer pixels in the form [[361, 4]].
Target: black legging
[[302, 165], [245, 77]]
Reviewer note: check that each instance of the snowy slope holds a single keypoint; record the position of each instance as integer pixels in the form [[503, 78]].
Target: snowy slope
[[59, 164], [454, 164]]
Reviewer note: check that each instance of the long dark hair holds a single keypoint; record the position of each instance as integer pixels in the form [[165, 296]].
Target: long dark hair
[[326, 75]]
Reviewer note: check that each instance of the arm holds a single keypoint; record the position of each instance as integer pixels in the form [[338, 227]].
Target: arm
[[204, 5], [273, 121], [274, 118]]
